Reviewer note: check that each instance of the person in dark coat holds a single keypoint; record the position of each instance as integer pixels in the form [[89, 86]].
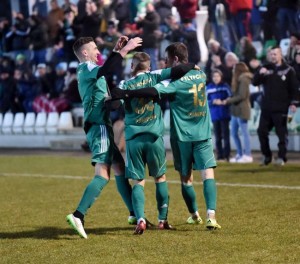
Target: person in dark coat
[[279, 93]]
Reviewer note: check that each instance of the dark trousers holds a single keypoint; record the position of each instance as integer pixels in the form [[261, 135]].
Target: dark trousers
[[222, 137], [267, 121]]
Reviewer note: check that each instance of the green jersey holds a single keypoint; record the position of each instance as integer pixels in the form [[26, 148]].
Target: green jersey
[[93, 93], [190, 117], [142, 115]]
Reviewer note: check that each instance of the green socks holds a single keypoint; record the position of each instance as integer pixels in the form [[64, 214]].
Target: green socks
[[91, 193], [162, 199], [210, 194], [138, 201], [124, 188], [189, 196]]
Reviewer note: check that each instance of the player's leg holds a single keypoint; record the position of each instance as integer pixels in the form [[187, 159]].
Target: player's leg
[[205, 162], [135, 170], [156, 160], [210, 196], [98, 141], [91, 193], [182, 155], [123, 186], [138, 201]]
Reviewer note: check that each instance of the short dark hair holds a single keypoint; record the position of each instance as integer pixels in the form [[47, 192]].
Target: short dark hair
[[79, 43], [179, 50]]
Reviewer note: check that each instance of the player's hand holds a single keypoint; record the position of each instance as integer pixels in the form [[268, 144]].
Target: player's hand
[[196, 67], [117, 93], [121, 43], [133, 43]]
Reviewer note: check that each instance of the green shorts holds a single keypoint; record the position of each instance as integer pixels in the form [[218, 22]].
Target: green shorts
[[196, 155], [145, 149], [101, 142]]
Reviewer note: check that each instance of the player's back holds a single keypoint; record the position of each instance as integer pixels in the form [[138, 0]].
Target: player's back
[[143, 115]]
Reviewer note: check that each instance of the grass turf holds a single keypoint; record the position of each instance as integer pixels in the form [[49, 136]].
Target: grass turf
[[260, 223]]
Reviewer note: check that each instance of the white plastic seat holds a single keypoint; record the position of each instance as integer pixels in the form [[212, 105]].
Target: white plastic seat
[[294, 125], [258, 47], [78, 115], [52, 123], [284, 45], [65, 122], [40, 123], [18, 123], [8, 120], [254, 119], [29, 122]]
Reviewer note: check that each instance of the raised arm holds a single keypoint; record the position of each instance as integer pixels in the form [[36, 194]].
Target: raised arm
[[122, 47]]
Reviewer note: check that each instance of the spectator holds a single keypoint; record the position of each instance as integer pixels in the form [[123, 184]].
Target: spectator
[[38, 39], [55, 16], [121, 9], [186, 34], [287, 18], [217, 91], [279, 92], [268, 11], [18, 37], [247, 50], [230, 61], [241, 17], [7, 90], [240, 112], [4, 28], [68, 34], [219, 18], [296, 65], [292, 49], [26, 90], [186, 9], [92, 21], [150, 25], [214, 48]]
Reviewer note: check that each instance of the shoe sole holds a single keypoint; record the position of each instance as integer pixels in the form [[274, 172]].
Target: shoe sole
[[71, 223]]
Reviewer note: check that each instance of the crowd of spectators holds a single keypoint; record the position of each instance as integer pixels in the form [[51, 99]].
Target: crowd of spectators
[[37, 63]]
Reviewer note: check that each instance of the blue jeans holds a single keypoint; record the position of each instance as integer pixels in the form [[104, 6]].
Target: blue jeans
[[287, 21], [222, 137], [237, 123]]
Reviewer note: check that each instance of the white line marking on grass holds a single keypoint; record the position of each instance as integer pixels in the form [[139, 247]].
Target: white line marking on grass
[[265, 186]]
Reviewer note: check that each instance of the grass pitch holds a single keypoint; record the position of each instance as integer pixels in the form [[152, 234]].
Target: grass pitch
[[258, 209]]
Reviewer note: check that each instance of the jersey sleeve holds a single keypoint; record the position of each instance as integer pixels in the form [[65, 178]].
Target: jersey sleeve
[[160, 75], [165, 87]]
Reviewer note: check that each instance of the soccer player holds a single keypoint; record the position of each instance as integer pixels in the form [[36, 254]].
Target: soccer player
[[190, 132], [144, 138], [97, 125]]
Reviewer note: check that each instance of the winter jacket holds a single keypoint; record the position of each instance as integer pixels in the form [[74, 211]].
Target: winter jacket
[[238, 5], [218, 91], [240, 101], [186, 8], [279, 87]]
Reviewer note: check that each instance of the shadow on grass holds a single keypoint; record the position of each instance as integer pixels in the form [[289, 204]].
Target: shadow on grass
[[59, 233]]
